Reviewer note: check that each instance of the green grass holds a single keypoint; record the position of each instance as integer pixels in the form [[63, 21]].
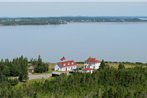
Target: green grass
[[29, 82], [50, 71]]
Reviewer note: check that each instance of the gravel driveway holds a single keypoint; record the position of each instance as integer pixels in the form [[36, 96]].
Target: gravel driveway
[[39, 76]]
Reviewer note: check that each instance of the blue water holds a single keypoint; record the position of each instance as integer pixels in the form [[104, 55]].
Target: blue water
[[77, 41]]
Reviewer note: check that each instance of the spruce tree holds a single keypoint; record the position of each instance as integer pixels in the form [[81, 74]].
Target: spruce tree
[[23, 74], [102, 65], [121, 66], [40, 67]]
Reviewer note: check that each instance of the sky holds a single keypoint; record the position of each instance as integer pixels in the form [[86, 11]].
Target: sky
[[73, 0], [45, 9]]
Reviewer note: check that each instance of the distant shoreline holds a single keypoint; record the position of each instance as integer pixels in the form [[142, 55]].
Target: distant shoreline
[[64, 20]]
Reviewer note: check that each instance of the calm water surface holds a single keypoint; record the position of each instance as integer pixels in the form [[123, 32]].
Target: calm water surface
[[109, 41]]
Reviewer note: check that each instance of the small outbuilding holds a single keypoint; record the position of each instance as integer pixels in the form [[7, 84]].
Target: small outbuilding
[[31, 69]]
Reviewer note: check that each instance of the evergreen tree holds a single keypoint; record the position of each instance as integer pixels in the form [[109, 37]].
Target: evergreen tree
[[23, 74], [40, 67], [102, 65], [121, 66]]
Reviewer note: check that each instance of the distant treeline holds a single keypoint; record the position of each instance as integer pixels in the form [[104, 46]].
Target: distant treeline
[[64, 20], [140, 63]]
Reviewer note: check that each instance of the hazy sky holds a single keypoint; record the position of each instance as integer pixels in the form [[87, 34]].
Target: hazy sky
[[72, 9], [73, 0]]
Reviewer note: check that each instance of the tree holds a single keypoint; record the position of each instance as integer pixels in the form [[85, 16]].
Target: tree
[[40, 67], [102, 65], [23, 74], [121, 66], [4, 69]]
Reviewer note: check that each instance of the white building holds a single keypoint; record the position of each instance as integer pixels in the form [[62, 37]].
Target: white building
[[65, 66], [91, 64]]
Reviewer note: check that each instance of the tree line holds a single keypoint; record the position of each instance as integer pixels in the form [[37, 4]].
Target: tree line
[[18, 67]]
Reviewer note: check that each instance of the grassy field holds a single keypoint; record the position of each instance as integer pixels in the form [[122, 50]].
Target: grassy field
[[127, 65], [116, 64]]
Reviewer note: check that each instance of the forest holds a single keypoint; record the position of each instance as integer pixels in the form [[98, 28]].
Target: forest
[[106, 82]]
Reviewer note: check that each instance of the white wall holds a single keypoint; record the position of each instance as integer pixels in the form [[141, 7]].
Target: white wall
[[93, 66], [70, 68], [56, 67]]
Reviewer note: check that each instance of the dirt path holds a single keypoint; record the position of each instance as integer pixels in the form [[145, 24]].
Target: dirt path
[[39, 76]]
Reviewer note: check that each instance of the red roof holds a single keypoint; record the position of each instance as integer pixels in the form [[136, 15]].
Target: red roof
[[67, 63], [86, 69], [92, 60]]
